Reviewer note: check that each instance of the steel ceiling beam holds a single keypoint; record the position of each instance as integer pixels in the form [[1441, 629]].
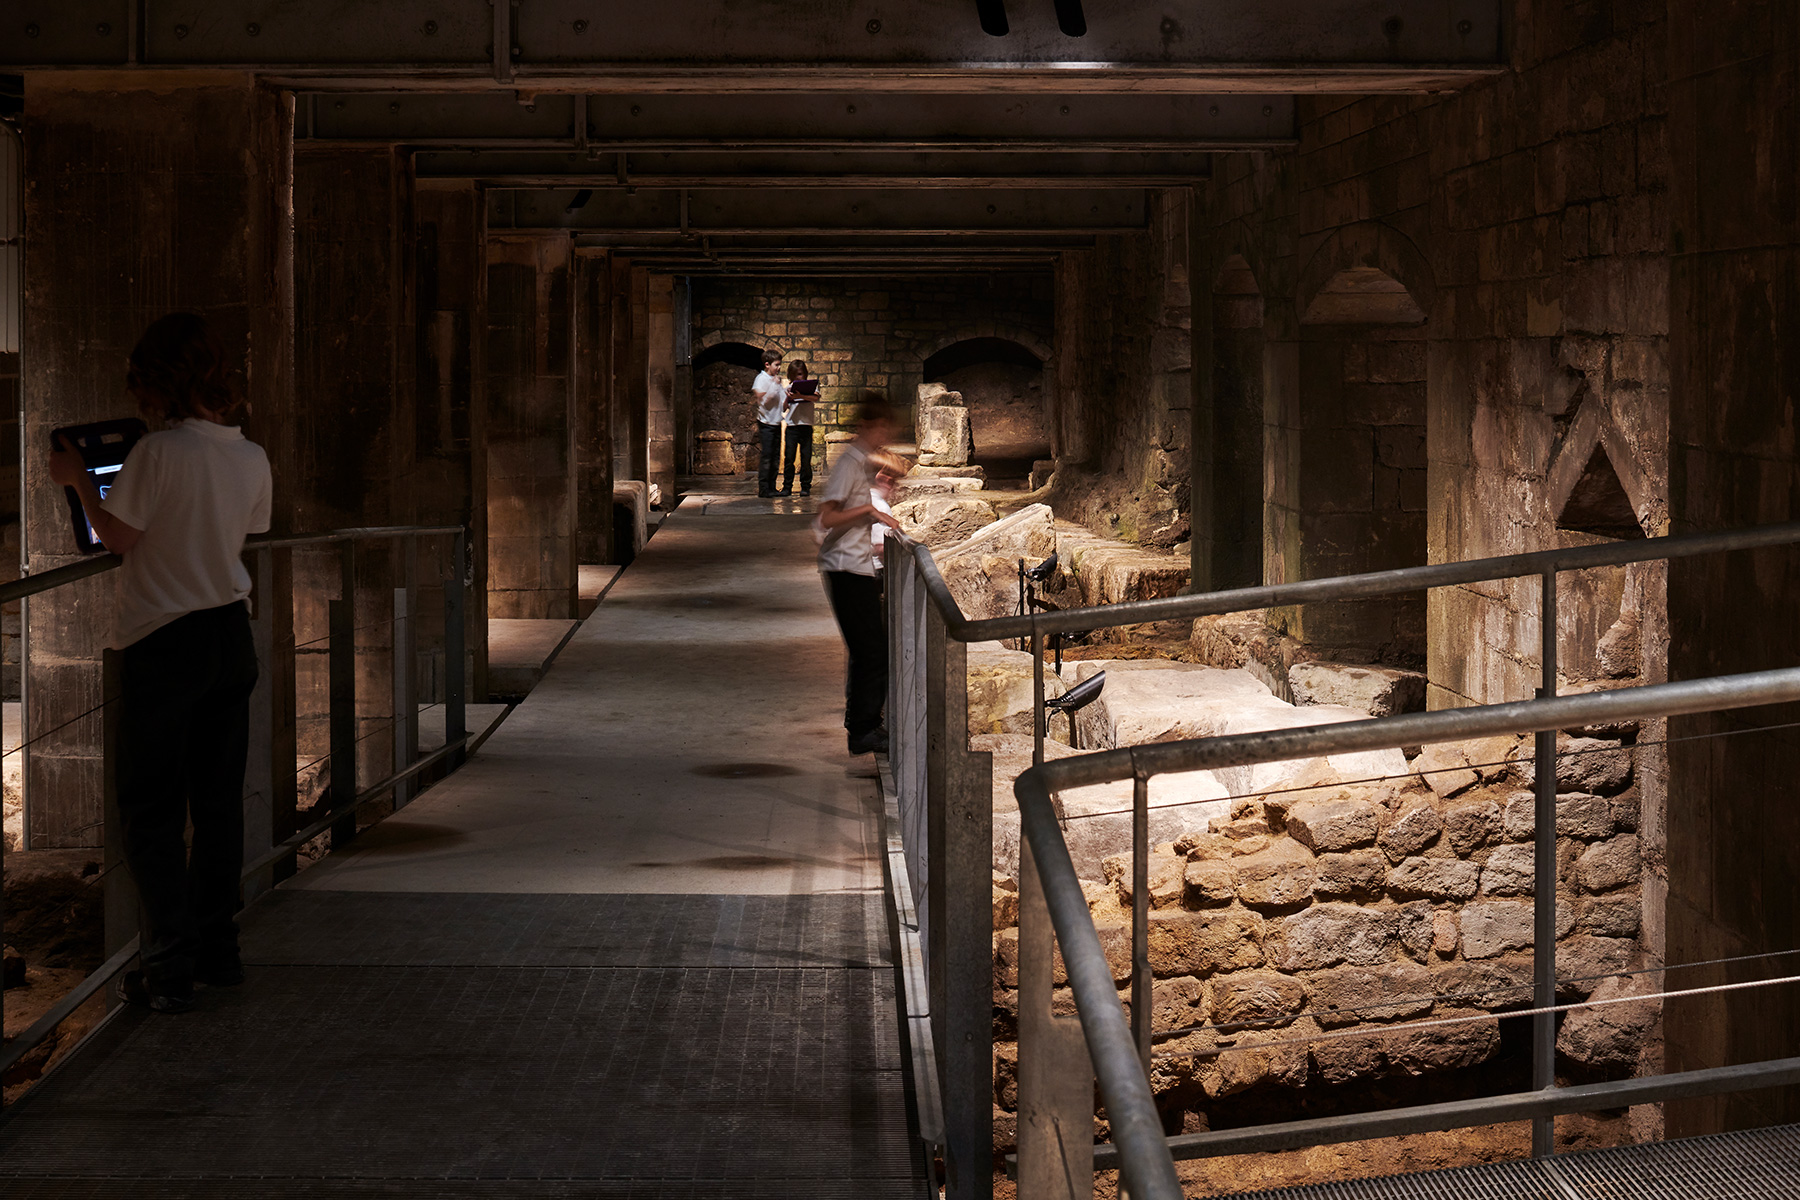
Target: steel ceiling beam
[[840, 122], [831, 45], [552, 169], [815, 210]]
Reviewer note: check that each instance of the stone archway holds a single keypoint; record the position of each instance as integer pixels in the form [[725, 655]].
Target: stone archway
[[1002, 384], [1237, 426], [724, 367]]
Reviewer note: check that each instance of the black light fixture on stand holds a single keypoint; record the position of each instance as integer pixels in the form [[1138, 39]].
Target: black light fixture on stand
[[1073, 701]]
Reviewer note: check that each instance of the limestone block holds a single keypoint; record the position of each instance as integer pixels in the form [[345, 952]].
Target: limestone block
[[933, 485], [1510, 871], [633, 495], [1326, 935], [1589, 818], [1277, 714], [933, 394], [1492, 927], [1344, 1059], [1418, 927], [1099, 815], [1278, 877], [1115, 941], [1176, 1003], [1153, 700], [835, 441], [1434, 878], [1416, 827], [944, 436], [1519, 821], [943, 520], [1610, 864], [713, 454], [1258, 996], [967, 471], [1582, 958], [1208, 884], [1391, 992], [1337, 822], [1591, 765], [1469, 827], [1286, 1065], [982, 570], [1446, 935], [1445, 769], [1199, 943], [1445, 1047], [1043, 470], [1612, 1036], [1356, 873], [1001, 691], [1610, 916], [1165, 870], [1378, 691], [1492, 983], [1006, 901]]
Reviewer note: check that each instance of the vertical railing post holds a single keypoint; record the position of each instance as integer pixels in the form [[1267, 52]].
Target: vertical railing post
[[1140, 917], [122, 916], [961, 956], [406, 708], [1056, 1083], [455, 680], [259, 765], [1543, 1026], [342, 616]]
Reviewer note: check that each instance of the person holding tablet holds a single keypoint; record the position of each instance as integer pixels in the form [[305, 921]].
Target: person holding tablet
[[178, 514], [801, 394]]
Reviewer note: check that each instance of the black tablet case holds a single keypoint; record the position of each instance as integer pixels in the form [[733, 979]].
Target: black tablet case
[[103, 447]]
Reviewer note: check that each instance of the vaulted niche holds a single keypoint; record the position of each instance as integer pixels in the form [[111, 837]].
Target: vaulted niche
[[723, 373], [1002, 385], [1598, 504]]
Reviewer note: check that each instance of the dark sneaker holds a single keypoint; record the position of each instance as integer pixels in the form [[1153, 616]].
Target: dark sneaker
[[222, 972], [873, 742], [133, 988]]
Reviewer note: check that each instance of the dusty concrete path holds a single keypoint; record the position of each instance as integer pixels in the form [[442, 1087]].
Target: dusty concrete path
[[637, 948]]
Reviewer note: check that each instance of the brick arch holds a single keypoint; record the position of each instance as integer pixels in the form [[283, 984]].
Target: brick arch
[[713, 337], [986, 329], [1367, 251]]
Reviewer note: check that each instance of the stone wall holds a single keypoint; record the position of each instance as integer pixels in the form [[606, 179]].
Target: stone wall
[[870, 334], [1347, 910]]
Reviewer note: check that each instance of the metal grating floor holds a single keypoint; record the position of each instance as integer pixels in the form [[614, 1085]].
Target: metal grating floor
[[470, 1080], [400, 929], [1759, 1164]]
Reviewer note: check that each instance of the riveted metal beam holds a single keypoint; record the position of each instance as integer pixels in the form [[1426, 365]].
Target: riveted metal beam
[[849, 210], [859, 121], [551, 169], [710, 45]]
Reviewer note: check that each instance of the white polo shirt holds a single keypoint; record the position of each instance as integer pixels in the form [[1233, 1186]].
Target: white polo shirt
[[195, 491], [849, 547], [771, 398]]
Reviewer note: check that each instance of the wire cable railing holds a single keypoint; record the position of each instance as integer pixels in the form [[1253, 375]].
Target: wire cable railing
[[267, 776], [946, 790]]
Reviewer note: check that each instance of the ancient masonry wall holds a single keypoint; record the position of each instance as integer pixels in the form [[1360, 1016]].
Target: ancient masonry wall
[[870, 334], [1347, 910]]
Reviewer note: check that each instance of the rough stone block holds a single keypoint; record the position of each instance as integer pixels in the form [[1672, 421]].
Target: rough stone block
[[943, 520], [1358, 873], [1469, 827], [1610, 916], [1326, 935], [1279, 877], [1492, 927], [1434, 878], [1520, 819], [713, 454], [1339, 822], [1284, 1065], [1492, 983], [1445, 1047], [1592, 765], [1610, 864], [1584, 961], [1347, 995], [1416, 827], [967, 471], [1510, 871], [1165, 870], [1611, 1037], [1209, 884], [1001, 691], [933, 394], [1256, 996], [1378, 691], [1176, 1003], [1199, 943], [944, 439], [1589, 818], [1445, 769]]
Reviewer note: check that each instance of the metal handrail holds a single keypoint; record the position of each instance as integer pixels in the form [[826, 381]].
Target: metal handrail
[[1343, 587], [1143, 1151], [44, 581]]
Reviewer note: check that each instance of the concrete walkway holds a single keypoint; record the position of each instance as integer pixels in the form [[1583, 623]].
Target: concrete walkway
[[638, 947]]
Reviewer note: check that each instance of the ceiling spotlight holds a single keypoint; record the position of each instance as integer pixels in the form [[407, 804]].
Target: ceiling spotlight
[[993, 17], [579, 202]]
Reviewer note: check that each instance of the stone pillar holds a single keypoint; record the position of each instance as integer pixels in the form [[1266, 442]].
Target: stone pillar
[[354, 428], [637, 378], [659, 390], [593, 406], [1734, 370], [138, 204], [620, 370], [684, 377], [531, 495]]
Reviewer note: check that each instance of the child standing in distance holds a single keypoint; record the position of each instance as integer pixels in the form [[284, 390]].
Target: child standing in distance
[[801, 394], [771, 402], [847, 513], [178, 515]]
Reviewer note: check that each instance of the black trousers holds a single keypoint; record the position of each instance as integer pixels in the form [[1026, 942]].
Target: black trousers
[[799, 445], [856, 602], [184, 733], [770, 436]]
